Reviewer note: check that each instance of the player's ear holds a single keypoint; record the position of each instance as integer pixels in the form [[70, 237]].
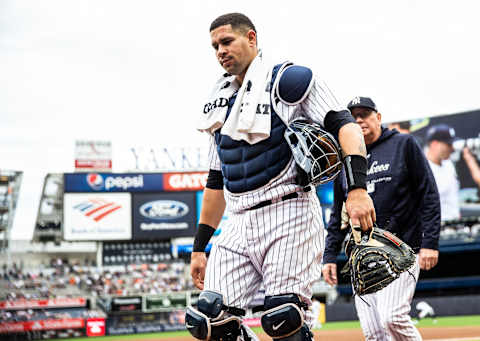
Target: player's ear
[[252, 38]]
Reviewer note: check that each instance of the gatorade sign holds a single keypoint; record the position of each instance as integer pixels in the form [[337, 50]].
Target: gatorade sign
[[185, 181]]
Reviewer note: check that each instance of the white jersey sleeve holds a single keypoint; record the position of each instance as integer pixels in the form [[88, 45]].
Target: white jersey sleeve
[[319, 102], [448, 189], [213, 159]]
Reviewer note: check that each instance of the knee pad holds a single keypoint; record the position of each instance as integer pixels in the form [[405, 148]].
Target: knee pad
[[211, 319], [284, 318]]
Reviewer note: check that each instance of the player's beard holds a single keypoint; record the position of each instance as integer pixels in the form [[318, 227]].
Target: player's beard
[[234, 68]]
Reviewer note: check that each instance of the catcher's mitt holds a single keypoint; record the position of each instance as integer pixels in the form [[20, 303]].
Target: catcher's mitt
[[376, 259]]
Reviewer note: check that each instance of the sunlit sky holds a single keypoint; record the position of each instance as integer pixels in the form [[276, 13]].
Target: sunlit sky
[[138, 72]]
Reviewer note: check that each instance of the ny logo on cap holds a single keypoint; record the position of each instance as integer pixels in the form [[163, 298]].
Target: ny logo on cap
[[356, 100]]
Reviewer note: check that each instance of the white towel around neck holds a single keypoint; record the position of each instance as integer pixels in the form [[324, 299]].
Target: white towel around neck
[[250, 117]]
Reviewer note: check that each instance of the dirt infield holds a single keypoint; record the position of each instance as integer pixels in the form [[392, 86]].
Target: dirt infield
[[428, 333]]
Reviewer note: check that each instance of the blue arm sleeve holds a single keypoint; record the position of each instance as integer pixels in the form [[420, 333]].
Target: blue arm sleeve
[[335, 236], [425, 188]]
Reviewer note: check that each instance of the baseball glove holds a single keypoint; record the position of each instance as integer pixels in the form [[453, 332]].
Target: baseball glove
[[376, 259]]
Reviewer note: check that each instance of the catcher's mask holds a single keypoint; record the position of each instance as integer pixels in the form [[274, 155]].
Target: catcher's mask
[[315, 151]]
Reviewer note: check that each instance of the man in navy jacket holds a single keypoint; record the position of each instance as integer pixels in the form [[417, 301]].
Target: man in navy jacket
[[406, 200]]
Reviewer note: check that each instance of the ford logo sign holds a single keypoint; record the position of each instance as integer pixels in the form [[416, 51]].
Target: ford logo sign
[[163, 209]]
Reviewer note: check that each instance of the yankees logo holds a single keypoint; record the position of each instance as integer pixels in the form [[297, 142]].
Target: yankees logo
[[218, 103], [375, 167], [356, 100]]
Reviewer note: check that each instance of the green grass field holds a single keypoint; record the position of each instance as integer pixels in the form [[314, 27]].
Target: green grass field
[[459, 321]]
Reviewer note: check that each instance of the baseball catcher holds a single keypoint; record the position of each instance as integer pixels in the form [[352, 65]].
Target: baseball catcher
[[375, 258], [274, 235]]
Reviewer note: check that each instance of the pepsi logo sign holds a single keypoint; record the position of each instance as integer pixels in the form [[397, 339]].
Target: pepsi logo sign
[[164, 209], [95, 181]]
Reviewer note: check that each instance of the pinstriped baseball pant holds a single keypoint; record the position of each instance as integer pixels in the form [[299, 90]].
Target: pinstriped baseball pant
[[388, 317], [280, 245]]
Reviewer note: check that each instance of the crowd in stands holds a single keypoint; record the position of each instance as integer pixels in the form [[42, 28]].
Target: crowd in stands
[[463, 230], [62, 278]]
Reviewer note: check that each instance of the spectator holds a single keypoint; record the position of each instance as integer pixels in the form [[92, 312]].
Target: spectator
[[440, 140], [402, 127]]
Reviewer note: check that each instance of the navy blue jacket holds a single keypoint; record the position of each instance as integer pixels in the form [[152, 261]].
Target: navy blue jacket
[[403, 189]]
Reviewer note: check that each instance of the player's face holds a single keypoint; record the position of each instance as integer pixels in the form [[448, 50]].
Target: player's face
[[370, 122], [234, 50], [444, 150]]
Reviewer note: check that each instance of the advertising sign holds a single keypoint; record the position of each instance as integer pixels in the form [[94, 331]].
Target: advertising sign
[[146, 323], [23, 326], [462, 132], [100, 216], [163, 215], [166, 302], [96, 326], [466, 133], [171, 159], [47, 303], [126, 304], [93, 155], [191, 181], [113, 182]]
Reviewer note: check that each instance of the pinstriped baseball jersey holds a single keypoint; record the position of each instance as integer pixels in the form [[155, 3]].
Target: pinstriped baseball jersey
[[281, 244], [315, 106]]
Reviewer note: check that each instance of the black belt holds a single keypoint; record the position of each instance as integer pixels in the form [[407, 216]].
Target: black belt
[[268, 202]]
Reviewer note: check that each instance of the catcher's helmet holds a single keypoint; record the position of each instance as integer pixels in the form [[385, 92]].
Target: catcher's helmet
[[315, 151]]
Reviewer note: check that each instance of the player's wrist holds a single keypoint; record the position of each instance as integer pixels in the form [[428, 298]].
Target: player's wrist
[[202, 237], [356, 171]]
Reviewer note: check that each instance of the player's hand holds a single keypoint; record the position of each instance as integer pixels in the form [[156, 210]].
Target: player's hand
[[467, 155], [360, 209], [198, 264], [329, 272], [428, 258]]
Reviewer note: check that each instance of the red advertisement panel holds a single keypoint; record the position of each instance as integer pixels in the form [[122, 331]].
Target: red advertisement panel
[[96, 327], [93, 164], [192, 181], [48, 303], [18, 327]]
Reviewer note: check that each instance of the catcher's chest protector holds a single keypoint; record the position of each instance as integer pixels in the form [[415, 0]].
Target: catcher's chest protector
[[246, 167]]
